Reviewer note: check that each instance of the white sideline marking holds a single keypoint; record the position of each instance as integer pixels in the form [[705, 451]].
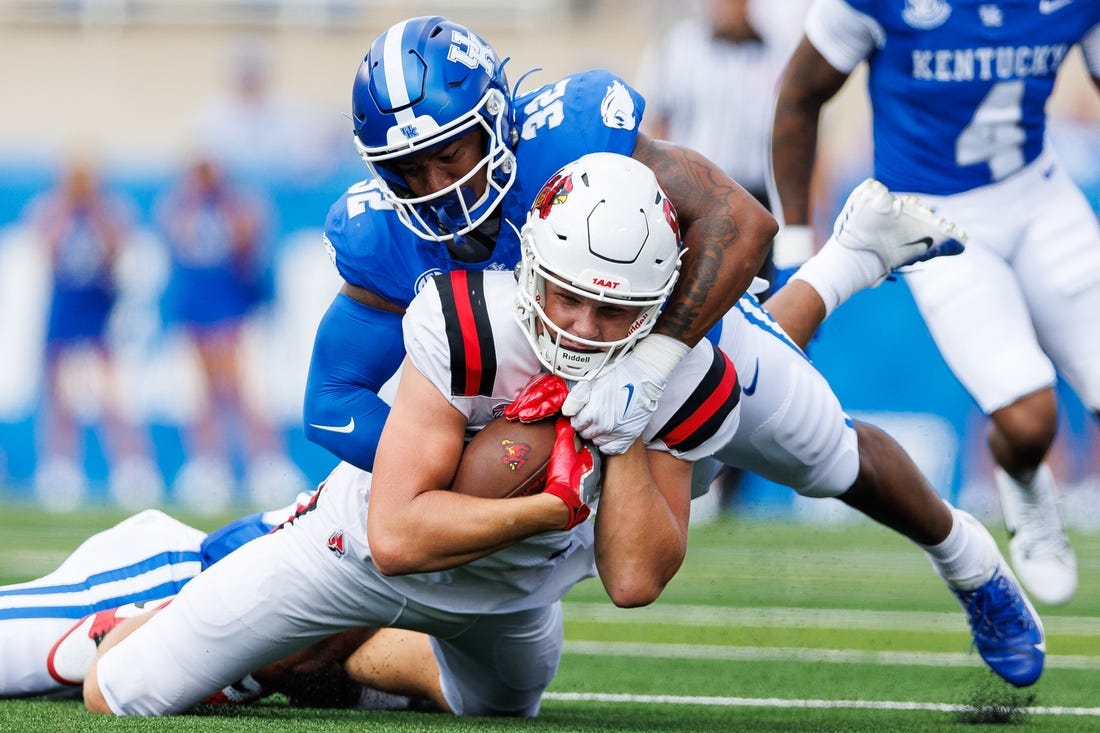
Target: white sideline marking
[[804, 618], [775, 702], [795, 654]]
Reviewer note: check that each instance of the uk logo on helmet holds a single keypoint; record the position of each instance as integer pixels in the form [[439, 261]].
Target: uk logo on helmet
[[469, 51], [410, 131]]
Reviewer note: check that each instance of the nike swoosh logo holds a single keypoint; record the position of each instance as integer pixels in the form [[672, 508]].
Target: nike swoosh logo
[[1046, 7], [926, 241], [629, 396], [336, 428], [750, 388]]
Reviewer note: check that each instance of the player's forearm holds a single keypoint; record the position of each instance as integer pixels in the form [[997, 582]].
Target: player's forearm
[[794, 145], [355, 351], [808, 82], [723, 253], [726, 235], [440, 530], [640, 543]]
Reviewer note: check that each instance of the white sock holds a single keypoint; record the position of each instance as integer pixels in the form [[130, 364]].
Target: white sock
[[969, 554], [838, 272], [1036, 490]]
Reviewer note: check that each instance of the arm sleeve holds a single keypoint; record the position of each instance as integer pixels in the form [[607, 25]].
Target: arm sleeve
[[356, 350]]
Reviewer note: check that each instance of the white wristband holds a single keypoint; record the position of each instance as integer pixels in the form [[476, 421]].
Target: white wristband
[[661, 352], [792, 246]]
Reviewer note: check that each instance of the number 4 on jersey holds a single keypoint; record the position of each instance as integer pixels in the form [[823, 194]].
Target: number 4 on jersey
[[994, 135]]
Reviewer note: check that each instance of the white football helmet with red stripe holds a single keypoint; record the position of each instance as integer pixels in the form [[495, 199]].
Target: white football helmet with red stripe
[[603, 228]]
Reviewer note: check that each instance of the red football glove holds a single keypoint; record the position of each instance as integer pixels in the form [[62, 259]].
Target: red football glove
[[573, 474], [542, 397]]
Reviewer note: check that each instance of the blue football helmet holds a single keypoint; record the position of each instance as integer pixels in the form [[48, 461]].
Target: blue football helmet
[[424, 82]]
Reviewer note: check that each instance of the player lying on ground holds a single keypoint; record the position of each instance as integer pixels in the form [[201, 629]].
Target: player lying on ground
[[872, 207], [483, 577]]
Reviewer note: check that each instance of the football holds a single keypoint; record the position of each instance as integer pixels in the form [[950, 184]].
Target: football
[[506, 458]]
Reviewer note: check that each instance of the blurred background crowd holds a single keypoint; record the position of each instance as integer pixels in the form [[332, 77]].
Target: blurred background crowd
[[165, 172]]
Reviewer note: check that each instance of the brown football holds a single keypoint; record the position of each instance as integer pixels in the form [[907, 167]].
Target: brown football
[[506, 458]]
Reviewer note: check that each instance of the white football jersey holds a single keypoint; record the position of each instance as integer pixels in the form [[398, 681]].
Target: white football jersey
[[461, 333]]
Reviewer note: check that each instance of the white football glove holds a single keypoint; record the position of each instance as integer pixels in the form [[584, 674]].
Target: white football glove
[[612, 410]]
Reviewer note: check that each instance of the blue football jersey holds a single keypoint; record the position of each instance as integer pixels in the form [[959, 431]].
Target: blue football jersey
[[958, 87], [593, 111]]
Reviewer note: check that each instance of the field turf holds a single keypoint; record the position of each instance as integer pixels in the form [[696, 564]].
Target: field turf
[[768, 627]]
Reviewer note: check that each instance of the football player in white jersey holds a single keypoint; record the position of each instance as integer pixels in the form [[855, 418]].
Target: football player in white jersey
[[804, 440], [483, 577], [481, 585], [958, 90]]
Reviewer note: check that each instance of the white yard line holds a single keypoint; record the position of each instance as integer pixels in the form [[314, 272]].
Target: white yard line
[[803, 618], [796, 654], [772, 702]]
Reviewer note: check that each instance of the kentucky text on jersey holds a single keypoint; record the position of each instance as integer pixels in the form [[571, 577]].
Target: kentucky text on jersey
[[987, 63]]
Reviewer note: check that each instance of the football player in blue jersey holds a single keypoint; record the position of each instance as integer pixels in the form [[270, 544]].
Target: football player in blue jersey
[[958, 90], [456, 158], [457, 161]]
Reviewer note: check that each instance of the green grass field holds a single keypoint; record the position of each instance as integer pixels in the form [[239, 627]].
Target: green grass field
[[768, 627]]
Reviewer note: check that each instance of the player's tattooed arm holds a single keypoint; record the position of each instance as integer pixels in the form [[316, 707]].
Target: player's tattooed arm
[[726, 234], [807, 83]]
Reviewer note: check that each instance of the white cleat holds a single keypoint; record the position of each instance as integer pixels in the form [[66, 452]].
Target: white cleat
[[900, 230], [1040, 551]]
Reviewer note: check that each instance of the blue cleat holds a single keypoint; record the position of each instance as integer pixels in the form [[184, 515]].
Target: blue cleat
[[1007, 631]]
